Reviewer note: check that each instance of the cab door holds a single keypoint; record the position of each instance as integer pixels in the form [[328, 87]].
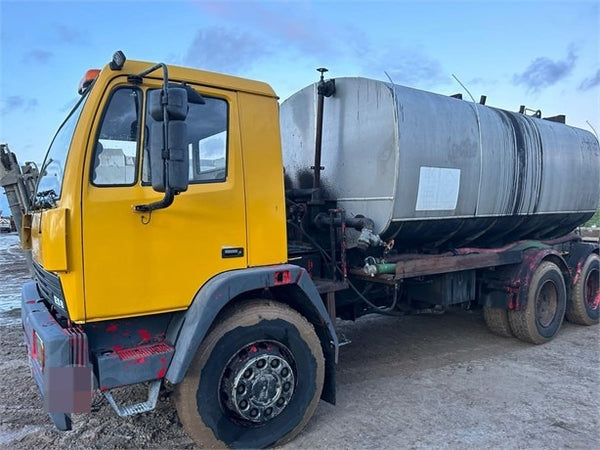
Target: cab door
[[145, 263]]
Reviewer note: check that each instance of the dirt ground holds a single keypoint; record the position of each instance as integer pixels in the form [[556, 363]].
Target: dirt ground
[[415, 382]]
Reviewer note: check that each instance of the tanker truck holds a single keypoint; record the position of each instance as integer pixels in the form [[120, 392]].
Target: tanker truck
[[192, 236]]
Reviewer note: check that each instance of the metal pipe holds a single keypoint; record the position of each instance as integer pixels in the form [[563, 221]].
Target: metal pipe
[[358, 223], [365, 225], [324, 89], [319, 137]]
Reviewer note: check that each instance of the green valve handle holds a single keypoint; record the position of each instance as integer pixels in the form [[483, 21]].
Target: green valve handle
[[378, 269], [386, 268]]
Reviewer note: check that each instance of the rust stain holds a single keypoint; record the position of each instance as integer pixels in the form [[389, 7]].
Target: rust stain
[[596, 301], [577, 272]]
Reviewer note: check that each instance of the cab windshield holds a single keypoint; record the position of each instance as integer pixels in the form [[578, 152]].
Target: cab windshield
[[52, 173]]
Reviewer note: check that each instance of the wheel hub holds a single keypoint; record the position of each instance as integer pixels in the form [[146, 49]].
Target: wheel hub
[[258, 382], [547, 304]]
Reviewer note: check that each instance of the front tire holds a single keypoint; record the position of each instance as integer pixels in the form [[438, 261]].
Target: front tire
[[255, 380], [541, 319]]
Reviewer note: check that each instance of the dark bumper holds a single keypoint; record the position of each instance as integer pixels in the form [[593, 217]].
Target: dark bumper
[[58, 358]]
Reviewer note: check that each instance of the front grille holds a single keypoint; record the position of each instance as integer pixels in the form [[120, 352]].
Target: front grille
[[49, 287]]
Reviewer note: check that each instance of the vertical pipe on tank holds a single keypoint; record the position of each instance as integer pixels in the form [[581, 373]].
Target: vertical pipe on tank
[[318, 141], [324, 89]]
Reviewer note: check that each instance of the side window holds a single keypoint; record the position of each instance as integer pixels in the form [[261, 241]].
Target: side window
[[207, 141], [115, 153]]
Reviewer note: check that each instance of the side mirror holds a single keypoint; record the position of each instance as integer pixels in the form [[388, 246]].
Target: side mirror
[[169, 164]]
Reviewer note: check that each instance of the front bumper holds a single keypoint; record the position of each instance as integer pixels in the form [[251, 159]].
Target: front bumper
[[58, 358]]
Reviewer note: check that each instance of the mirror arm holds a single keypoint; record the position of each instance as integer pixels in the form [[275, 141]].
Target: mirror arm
[[167, 200], [152, 69]]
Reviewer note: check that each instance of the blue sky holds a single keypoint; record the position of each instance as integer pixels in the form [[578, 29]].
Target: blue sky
[[543, 54]]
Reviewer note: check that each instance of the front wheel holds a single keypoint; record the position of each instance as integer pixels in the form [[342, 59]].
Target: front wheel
[[255, 380]]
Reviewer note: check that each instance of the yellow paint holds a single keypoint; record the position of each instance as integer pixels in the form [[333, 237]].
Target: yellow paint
[[132, 268], [116, 266], [263, 169], [54, 239]]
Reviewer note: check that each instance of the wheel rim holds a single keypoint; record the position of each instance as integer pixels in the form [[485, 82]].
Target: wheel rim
[[547, 304], [592, 289], [258, 382]]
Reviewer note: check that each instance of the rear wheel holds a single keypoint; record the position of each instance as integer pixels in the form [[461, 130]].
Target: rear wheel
[[584, 307], [255, 380], [541, 319], [496, 320]]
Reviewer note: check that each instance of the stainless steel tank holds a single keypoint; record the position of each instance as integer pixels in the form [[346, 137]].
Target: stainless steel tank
[[436, 170]]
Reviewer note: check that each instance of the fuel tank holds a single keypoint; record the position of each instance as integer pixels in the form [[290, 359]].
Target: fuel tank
[[437, 171]]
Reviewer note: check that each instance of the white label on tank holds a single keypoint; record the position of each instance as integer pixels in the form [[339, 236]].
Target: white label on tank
[[438, 189]]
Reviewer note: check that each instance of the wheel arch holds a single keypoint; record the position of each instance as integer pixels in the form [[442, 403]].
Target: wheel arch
[[286, 283], [578, 254]]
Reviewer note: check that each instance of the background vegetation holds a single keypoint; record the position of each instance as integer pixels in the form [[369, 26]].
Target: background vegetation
[[594, 221]]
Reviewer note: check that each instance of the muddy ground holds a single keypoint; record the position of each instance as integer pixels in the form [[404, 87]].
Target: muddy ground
[[416, 382]]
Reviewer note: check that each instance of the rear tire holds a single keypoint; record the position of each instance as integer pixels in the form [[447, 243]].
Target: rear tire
[[496, 320], [256, 378], [541, 319], [584, 307]]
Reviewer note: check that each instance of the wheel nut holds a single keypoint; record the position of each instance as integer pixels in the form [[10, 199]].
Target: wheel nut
[[243, 404], [286, 386], [241, 389], [268, 411], [261, 363], [247, 373], [275, 363], [285, 372], [254, 412], [281, 401]]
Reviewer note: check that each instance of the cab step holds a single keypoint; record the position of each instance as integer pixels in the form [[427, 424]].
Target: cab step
[[122, 367], [136, 408]]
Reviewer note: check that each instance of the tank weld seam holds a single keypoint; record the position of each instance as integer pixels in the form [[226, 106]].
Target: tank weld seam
[[474, 106]]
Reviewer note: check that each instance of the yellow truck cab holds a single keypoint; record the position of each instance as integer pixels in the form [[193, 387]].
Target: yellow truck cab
[[140, 251]]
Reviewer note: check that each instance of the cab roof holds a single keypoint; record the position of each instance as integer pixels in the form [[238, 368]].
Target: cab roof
[[195, 76]]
